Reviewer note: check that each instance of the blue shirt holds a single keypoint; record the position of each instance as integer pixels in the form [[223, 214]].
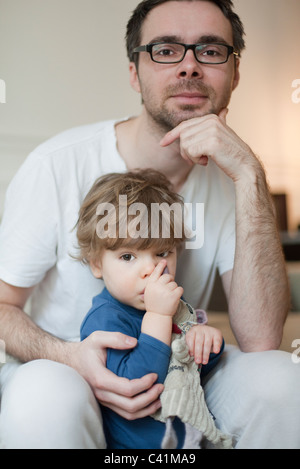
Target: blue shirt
[[149, 356]]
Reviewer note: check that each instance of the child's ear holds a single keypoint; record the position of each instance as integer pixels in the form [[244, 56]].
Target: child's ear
[[96, 268]]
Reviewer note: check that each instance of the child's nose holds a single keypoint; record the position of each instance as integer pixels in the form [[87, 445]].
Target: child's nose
[[148, 267]]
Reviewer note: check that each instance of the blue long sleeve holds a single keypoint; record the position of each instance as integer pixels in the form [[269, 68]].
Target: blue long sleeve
[[149, 356]]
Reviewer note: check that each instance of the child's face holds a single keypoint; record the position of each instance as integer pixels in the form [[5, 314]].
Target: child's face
[[126, 272]]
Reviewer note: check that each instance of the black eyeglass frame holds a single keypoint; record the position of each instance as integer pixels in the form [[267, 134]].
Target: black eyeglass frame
[[148, 48]]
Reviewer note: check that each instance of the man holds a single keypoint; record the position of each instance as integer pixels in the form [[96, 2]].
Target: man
[[182, 132]]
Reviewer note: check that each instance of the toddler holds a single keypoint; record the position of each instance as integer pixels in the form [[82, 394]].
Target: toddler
[[133, 247]]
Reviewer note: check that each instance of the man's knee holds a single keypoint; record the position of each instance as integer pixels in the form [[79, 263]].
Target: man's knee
[[49, 405], [277, 380], [255, 397], [265, 380]]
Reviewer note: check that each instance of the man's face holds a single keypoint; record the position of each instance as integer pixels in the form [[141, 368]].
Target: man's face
[[173, 93]]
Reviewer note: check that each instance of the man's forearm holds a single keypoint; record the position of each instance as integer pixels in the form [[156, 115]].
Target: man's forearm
[[259, 298], [26, 341]]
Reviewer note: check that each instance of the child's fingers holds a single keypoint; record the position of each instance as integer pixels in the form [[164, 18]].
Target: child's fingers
[[217, 343], [212, 344], [158, 271], [190, 341], [199, 349], [202, 341], [207, 348], [179, 292]]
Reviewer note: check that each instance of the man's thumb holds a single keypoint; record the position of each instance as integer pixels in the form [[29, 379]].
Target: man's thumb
[[115, 340]]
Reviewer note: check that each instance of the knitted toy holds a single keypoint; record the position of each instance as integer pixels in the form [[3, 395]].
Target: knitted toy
[[183, 395]]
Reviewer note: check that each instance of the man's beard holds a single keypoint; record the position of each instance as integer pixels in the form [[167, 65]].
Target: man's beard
[[167, 119]]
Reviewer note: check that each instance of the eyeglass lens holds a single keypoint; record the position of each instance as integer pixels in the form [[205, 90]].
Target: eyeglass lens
[[205, 53]]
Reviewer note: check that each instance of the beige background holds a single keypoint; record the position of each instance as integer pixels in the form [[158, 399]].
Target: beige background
[[64, 64]]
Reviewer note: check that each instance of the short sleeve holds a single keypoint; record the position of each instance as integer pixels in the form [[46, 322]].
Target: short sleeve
[[226, 249], [28, 232]]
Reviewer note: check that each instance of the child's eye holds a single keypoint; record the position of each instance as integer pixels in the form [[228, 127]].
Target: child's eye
[[127, 257], [163, 254]]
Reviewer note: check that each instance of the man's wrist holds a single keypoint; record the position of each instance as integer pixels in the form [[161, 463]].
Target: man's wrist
[[252, 174], [61, 351], [68, 354]]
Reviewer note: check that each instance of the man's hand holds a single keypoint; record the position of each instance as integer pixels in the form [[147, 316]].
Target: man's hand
[[203, 340], [208, 137], [132, 399]]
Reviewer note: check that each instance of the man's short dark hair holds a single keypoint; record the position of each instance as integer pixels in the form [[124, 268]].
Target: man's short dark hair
[[134, 27]]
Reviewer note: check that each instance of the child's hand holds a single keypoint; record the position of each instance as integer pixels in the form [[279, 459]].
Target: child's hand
[[162, 293], [202, 340]]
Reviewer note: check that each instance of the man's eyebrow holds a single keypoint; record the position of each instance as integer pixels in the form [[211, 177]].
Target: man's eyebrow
[[212, 38], [165, 39], [206, 39]]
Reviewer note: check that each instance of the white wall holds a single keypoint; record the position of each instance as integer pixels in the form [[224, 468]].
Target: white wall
[[64, 64], [262, 110]]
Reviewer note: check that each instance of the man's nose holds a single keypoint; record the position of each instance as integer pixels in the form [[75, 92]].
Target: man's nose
[[189, 67]]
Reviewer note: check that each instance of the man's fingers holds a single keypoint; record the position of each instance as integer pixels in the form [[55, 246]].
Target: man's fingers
[[137, 406], [123, 387], [115, 340], [170, 137], [139, 414], [175, 134]]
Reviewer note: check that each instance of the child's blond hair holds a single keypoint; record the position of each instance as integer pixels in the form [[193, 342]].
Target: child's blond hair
[[145, 187]]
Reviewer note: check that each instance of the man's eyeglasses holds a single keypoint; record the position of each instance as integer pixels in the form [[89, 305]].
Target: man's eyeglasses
[[174, 52]]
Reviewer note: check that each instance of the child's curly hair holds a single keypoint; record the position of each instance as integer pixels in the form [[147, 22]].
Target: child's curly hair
[[105, 211]]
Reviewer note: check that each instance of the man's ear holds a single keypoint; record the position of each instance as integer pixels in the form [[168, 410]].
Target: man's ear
[[96, 268], [134, 77]]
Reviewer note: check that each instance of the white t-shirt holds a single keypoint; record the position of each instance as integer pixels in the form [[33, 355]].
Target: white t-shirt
[[37, 233]]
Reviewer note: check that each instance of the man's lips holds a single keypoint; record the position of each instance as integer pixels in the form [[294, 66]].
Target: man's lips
[[189, 98]]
